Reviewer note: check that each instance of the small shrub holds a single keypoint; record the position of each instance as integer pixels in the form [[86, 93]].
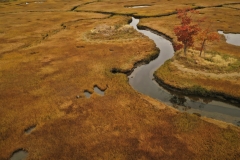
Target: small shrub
[[208, 59], [225, 57]]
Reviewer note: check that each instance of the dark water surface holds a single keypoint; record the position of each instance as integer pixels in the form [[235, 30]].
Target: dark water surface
[[141, 80]]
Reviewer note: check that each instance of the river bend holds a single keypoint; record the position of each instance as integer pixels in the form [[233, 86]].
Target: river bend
[[142, 80]]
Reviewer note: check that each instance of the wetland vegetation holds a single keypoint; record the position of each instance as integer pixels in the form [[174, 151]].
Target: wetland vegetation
[[53, 52]]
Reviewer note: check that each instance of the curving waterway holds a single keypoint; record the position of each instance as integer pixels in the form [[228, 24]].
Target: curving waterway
[[231, 38], [142, 80]]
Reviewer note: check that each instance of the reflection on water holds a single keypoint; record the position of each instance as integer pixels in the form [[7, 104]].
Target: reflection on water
[[141, 80], [231, 38]]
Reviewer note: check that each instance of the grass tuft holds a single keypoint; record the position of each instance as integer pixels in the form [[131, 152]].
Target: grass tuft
[[198, 90], [186, 122]]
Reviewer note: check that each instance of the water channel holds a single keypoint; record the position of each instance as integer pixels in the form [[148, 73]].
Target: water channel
[[231, 38], [142, 80]]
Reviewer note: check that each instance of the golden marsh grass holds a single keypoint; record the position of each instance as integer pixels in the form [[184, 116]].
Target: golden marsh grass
[[48, 57]]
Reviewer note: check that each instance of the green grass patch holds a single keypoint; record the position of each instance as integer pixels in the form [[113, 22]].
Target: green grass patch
[[234, 67], [198, 90]]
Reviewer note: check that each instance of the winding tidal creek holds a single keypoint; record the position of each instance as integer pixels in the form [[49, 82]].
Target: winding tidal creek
[[142, 80]]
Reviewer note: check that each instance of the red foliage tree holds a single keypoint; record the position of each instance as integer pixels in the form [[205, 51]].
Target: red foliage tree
[[188, 28]]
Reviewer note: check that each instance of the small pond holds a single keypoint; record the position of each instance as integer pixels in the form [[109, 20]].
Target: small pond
[[87, 94], [30, 129], [96, 90], [143, 6], [19, 155]]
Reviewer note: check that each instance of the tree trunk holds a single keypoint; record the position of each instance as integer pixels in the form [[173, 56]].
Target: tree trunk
[[185, 49], [202, 47]]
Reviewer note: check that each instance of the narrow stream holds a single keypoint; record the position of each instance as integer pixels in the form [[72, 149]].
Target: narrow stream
[[141, 79]]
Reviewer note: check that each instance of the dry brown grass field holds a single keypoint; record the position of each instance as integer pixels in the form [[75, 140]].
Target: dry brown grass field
[[53, 51]]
